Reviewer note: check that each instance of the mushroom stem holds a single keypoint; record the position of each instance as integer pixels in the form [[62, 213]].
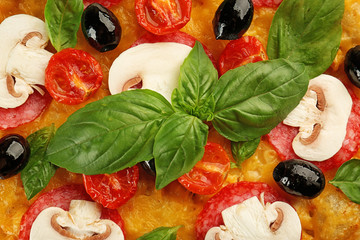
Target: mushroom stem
[[10, 83], [278, 221], [132, 82]]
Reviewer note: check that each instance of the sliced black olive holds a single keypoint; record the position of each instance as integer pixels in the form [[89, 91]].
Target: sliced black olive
[[149, 167], [232, 19], [14, 155], [101, 28], [299, 178], [352, 65]]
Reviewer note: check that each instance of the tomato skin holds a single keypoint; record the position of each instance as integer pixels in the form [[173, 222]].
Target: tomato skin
[[247, 49], [72, 76], [162, 16], [105, 3], [61, 197], [267, 3], [112, 190], [209, 174], [230, 195]]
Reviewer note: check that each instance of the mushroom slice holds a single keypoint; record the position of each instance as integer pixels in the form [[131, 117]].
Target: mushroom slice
[[155, 66], [81, 222], [252, 220], [322, 117]]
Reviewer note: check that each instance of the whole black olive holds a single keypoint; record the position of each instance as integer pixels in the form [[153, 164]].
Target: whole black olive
[[14, 155], [232, 19], [352, 65], [149, 167], [299, 178], [101, 28]]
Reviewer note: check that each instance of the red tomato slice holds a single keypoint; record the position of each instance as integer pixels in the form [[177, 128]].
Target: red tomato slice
[[209, 174], [28, 112], [72, 76], [162, 16], [112, 190], [230, 195], [267, 3], [281, 138], [247, 49], [177, 37], [105, 3], [61, 197]]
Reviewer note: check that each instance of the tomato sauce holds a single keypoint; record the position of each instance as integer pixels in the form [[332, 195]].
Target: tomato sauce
[[329, 216]]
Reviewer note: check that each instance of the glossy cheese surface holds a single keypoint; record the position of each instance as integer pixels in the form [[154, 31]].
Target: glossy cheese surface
[[329, 216]]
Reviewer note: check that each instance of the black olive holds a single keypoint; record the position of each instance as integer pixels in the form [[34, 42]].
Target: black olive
[[232, 19], [149, 167], [352, 65], [101, 28], [14, 155], [299, 178]]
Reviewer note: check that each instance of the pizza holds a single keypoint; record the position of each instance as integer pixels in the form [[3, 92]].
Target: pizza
[[188, 119]]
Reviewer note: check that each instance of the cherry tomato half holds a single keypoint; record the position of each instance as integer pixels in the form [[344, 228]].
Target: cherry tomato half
[[72, 76], [162, 16], [230, 195], [112, 190], [209, 174], [61, 197], [105, 3], [267, 3], [247, 49]]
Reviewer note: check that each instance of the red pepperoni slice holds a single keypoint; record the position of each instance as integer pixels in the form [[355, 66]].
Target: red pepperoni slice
[[230, 195], [61, 197], [267, 3], [28, 112], [281, 138]]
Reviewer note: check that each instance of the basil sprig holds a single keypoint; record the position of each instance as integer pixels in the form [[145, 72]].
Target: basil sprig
[[62, 19], [308, 32], [38, 172], [347, 178], [161, 233]]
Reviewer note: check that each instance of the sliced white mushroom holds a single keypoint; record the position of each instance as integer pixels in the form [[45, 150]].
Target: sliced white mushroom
[[322, 117], [23, 58], [81, 222], [155, 65], [254, 220]]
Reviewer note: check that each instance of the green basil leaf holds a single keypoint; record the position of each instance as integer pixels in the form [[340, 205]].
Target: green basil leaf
[[161, 233], [347, 178], [196, 82], [252, 99], [38, 172], [62, 19], [110, 134], [244, 149], [308, 32], [178, 146]]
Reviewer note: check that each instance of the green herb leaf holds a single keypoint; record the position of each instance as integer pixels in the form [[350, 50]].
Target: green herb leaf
[[38, 172], [178, 146], [252, 99], [110, 134], [161, 233], [347, 178], [244, 150], [62, 19], [308, 32], [196, 82]]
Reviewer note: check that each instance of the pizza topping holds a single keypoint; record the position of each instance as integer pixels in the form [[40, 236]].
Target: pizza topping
[[23, 58], [156, 66], [352, 65], [322, 117], [82, 221], [232, 19]]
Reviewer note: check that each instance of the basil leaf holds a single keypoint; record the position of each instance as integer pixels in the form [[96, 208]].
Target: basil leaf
[[62, 19], [178, 146], [161, 233], [38, 172], [347, 178], [196, 82], [110, 134], [252, 99], [308, 32], [244, 150]]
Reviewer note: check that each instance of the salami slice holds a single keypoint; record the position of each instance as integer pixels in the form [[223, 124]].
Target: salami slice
[[61, 197], [230, 195], [281, 138], [29, 111]]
